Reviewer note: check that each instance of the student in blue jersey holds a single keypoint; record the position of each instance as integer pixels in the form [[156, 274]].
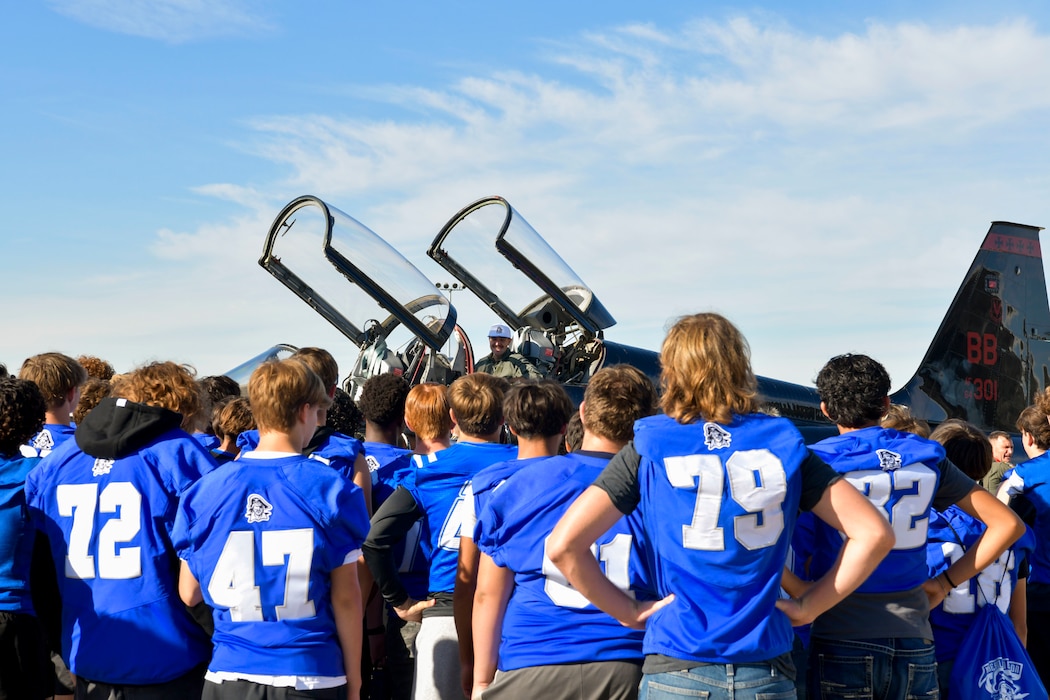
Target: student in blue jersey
[[106, 501], [382, 406], [234, 417], [884, 625], [342, 452], [543, 636], [217, 389], [59, 378], [1027, 490], [536, 413], [952, 532], [271, 543], [25, 669], [428, 418], [435, 494], [718, 486]]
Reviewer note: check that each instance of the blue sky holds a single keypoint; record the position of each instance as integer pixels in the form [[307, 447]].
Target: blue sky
[[822, 173]]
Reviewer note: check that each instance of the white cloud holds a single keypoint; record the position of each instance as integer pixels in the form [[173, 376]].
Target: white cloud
[[737, 166], [172, 21]]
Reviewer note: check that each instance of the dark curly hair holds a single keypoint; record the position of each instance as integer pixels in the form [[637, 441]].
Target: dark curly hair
[[22, 409], [344, 416], [93, 391], [854, 390], [383, 400]]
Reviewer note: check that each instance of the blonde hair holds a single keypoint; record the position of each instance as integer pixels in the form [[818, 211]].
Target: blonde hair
[[278, 390], [706, 371], [322, 363], [165, 385], [477, 403], [54, 374], [426, 411]]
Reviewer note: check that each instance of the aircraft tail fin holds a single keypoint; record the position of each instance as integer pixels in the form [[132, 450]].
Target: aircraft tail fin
[[991, 354]]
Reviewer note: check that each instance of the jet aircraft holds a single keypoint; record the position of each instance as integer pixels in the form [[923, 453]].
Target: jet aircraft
[[988, 359]]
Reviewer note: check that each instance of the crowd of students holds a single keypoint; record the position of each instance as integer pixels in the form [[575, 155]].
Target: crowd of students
[[490, 540]]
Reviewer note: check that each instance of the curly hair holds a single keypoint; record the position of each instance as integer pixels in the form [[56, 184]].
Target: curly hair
[[165, 385], [93, 391], [344, 416], [22, 409], [382, 400], [537, 408], [966, 446], [96, 368], [706, 371], [854, 389]]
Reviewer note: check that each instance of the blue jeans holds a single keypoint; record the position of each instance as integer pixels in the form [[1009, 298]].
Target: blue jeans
[[757, 681], [873, 669]]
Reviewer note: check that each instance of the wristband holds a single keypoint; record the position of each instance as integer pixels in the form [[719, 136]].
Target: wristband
[[949, 580]]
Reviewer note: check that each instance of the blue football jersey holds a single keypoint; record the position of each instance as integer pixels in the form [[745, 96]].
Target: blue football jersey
[[389, 465], [719, 504], [899, 473], [336, 450], [440, 490], [484, 484], [513, 528], [17, 534], [952, 533], [262, 536], [209, 442], [50, 437], [109, 526], [1032, 479]]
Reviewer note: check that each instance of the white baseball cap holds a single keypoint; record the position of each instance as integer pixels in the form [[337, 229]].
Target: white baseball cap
[[499, 331]]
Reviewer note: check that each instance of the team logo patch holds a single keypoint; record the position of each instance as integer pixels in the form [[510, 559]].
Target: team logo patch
[[102, 467], [373, 463], [258, 510], [889, 461], [44, 440], [998, 678], [716, 437]]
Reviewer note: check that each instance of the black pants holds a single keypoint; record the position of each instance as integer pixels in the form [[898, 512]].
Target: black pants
[[25, 666]]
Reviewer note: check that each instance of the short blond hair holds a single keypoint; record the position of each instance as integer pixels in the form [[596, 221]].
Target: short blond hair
[[426, 411], [477, 403], [54, 374], [165, 385], [706, 371], [278, 390], [322, 363]]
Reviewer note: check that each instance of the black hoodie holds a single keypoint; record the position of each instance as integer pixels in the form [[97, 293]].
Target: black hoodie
[[118, 427]]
